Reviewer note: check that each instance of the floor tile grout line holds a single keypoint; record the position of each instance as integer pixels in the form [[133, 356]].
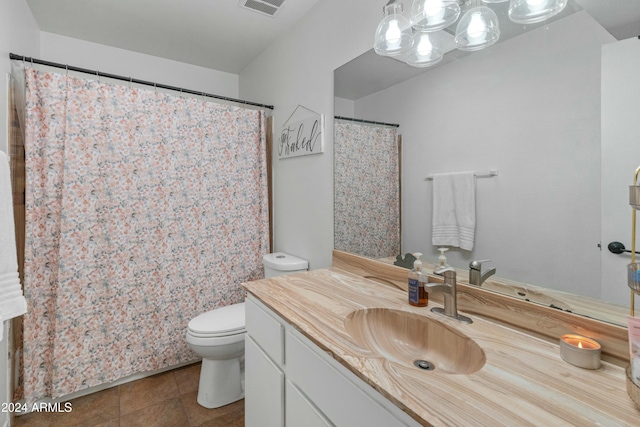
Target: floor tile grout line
[[181, 395], [119, 405], [185, 410]]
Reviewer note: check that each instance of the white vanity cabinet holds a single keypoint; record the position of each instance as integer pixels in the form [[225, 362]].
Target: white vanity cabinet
[[264, 388], [264, 362], [290, 381]]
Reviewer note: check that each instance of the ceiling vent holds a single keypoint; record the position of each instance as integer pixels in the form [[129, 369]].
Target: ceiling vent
[[264, 7]]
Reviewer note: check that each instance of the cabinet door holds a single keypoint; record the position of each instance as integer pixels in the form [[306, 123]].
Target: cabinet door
[[264, 389], [339, 399], [300, 412]]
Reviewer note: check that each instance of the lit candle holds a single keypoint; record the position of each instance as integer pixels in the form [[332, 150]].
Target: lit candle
[[580, 351], [580, 342]]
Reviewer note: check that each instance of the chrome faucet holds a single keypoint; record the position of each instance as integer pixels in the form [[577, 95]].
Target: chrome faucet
[[476, 277], [448, 288]]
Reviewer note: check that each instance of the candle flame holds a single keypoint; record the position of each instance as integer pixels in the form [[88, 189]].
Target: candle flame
[[579, 344]]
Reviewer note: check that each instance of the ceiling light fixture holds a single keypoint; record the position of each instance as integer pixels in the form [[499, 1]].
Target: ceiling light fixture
[[532, 11], [413, 40], [394, 35], [426, 51], [434, 15], [478, 28]]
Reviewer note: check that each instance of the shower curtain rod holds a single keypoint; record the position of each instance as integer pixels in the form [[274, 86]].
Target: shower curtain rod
[[132, 80], [366, 121]]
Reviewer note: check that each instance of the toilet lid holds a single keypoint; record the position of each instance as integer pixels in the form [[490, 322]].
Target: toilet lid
[[223, 320]]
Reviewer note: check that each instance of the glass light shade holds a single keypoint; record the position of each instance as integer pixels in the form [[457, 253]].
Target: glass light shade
[[477, 29], [426, 51], [434, 15], [393, 35], [532, 11]]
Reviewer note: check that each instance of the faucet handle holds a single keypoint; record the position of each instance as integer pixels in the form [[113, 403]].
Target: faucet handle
[[477, 264]]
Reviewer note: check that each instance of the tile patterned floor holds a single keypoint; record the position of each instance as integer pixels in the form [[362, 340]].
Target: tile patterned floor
[[163, 400]]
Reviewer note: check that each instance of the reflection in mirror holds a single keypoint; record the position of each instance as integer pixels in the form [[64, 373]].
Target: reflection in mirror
[[546, 108], [367, 188]]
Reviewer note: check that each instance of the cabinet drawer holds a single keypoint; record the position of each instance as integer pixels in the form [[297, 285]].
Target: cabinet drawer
[[338, 398], [266, 331]]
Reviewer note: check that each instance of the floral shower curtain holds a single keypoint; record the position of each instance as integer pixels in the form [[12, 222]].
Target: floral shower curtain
[[367, 189], [143, 210]]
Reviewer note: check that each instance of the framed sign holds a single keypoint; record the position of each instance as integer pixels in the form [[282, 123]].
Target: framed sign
[[301, 135]]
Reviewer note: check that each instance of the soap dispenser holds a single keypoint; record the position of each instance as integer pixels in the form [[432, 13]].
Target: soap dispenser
[[442, 262], [418, 296]]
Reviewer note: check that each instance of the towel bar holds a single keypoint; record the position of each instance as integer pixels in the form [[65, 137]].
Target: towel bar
[[480, 174]]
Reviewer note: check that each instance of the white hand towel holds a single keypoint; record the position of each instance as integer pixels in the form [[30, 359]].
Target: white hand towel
[[454, 210], [12, 302]]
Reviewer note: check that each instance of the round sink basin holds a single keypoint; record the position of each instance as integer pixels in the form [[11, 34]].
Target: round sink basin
[[408, 338]]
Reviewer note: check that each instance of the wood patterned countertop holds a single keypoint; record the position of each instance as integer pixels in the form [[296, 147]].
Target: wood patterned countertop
[[524, 382]]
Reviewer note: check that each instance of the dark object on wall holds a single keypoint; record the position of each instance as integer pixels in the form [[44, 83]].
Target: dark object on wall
[[406, 262]]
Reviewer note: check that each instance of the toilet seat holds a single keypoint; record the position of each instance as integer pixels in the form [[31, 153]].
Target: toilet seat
[[212, 335], [220, 322], [213, 340]]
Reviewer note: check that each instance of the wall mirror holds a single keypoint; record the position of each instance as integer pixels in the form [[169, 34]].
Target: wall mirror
[[551, 106]]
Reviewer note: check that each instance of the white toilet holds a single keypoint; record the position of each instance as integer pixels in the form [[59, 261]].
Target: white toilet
[[218, 336]]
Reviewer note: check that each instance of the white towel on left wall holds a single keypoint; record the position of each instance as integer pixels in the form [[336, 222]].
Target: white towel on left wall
[[12, 302], [454, 210]]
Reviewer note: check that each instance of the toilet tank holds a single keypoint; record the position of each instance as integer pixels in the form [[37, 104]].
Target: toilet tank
[[279, 264]]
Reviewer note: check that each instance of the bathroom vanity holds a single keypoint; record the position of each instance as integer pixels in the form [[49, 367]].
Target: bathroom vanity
[[330, 347], [311, 389]]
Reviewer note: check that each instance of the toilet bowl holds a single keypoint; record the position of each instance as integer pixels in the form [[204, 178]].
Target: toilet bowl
[[218, 337]]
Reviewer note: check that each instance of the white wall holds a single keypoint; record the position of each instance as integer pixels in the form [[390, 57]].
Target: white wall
[[93, 56], [620, 158], [528, 107], [344, 107], [298, 69], [19, 34]]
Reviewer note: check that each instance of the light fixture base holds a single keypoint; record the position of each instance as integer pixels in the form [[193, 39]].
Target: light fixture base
[[634, 196]]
